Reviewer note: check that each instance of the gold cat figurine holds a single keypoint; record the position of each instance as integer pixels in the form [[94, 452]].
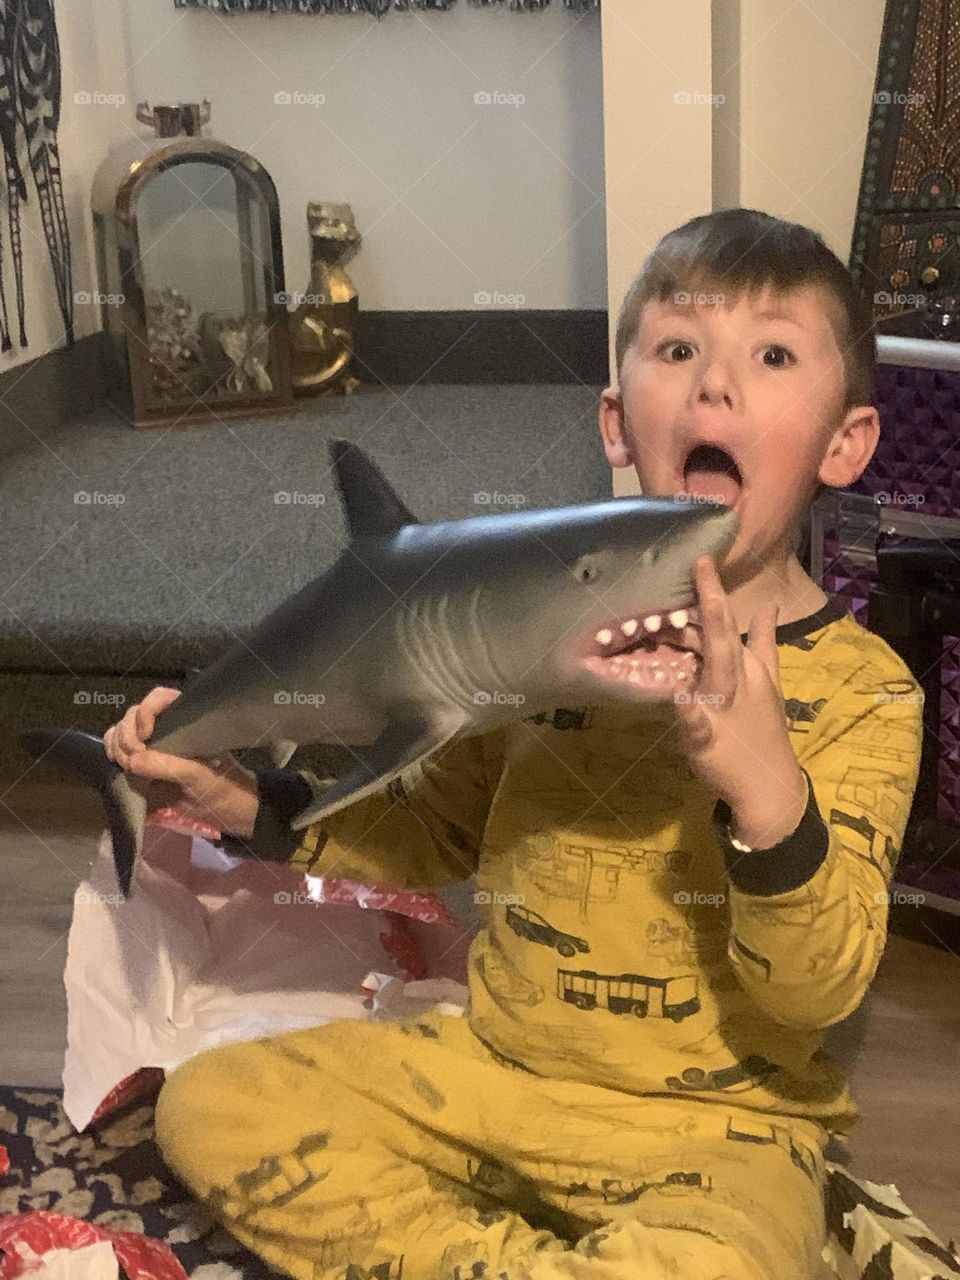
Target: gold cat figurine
[[323, 326]]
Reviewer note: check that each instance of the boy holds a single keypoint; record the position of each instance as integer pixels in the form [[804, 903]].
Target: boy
[[678, 900]]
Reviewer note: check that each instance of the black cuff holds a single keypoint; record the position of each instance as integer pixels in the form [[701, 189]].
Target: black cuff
[[782, 867], [282, 793]]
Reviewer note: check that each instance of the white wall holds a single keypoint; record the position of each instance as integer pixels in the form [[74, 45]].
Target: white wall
[[658, 151], [452, 198], [807, 74]]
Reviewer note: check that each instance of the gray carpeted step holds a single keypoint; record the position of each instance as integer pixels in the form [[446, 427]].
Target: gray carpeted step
[[181, 545]]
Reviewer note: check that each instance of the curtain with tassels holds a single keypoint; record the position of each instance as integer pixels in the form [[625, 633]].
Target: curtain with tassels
[[376, 8]]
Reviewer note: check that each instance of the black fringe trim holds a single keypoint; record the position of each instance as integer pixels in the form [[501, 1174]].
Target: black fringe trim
[[374, 8]]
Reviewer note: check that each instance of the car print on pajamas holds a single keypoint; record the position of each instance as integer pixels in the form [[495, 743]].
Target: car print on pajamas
[[392, 1269], [616, 1191], [528, 924], [738, 1078], [673, 998]]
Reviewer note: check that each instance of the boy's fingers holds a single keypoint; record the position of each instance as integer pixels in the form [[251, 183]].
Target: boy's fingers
[[722, 656], [146, 712], [161, 767], [129, 734], [694, 721], [762, 639]]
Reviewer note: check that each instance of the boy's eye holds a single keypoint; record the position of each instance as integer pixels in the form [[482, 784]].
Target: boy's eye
[[672, 344], [789, 355]]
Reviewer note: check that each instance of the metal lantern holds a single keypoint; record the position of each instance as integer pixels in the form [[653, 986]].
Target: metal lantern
[[190, 266]]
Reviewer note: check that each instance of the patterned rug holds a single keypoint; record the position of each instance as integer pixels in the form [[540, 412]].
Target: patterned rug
[[112, 1175]]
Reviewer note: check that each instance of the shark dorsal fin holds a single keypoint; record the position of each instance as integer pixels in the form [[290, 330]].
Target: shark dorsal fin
[[371, 506]]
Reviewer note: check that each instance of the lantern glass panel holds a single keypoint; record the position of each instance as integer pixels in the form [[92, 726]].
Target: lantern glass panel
[[205, 260], [201, 208]]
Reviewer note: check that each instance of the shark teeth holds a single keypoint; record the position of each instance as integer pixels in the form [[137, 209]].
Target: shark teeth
[[644, 672], [651, 624]]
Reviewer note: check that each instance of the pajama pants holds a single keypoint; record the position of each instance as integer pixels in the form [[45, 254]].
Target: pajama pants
[[412, 1151]]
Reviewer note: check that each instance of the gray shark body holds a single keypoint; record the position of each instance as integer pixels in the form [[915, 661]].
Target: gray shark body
[[418, 634]]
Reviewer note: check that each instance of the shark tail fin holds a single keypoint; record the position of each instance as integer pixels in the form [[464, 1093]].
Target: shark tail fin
[[80, 757]]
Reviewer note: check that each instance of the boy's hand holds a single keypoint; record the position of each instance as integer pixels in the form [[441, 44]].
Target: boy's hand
[[732, 723], [221, 793]]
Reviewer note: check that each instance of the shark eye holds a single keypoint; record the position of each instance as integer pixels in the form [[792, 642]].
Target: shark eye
[[586, 569]]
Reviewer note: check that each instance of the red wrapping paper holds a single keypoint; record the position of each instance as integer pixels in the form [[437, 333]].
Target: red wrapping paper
[[38, 1232]]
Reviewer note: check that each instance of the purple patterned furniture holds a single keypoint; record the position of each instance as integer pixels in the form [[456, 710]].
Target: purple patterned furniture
[[911, 490]]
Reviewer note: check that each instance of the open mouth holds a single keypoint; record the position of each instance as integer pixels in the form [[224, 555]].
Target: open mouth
[[657, 653], [710, 473]]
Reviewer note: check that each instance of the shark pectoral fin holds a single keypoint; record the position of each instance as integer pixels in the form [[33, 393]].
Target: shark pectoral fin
[[402, 743], [80, 757], [280, 751]]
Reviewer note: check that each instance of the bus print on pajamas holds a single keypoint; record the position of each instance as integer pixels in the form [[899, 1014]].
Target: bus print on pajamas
[[673, 998]]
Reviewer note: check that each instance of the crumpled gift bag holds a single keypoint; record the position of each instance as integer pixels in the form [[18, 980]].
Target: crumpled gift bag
[[211, 949]]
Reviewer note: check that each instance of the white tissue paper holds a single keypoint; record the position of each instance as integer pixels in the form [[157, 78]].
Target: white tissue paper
[[90, 1262], [210, 949]]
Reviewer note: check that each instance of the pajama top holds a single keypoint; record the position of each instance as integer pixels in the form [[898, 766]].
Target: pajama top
[[624, 940]]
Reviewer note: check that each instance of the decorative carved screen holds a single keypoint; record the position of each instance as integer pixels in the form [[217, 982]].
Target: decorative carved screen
[[906, 239]]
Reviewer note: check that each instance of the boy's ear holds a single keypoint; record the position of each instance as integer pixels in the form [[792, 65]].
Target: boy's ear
[[612, 428], [851, 447]]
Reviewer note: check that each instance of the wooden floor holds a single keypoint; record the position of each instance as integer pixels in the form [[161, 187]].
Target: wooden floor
[[906, 1077]]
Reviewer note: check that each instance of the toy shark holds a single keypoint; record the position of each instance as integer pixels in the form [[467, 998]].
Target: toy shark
[[421, 633]]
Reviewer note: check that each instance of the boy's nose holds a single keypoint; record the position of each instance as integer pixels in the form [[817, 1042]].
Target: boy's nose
[[714, 392]]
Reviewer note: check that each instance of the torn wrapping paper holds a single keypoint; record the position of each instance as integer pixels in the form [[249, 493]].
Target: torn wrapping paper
[[213, 949], [86, 1262], [873, 1233], [53, 1246]]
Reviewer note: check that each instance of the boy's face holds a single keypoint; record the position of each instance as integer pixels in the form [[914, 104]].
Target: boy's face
[[765, 390]]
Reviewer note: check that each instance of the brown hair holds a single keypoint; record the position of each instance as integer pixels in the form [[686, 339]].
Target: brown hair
[[731, 251]]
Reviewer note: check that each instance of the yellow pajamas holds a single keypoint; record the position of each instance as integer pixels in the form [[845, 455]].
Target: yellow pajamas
[[408, 1152], [638, 1087]]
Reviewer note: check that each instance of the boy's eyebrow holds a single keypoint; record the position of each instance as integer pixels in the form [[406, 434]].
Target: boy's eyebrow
[[773, 314], [684, 309]]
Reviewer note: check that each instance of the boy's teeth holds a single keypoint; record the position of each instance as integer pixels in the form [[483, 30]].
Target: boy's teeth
[[653, 623], [629, 627], [678, 619], [604, 636]]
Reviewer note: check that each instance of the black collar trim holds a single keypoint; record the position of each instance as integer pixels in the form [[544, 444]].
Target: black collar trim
[[835, 608]]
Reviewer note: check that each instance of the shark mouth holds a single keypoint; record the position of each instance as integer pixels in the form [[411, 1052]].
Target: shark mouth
[[659, 653]]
